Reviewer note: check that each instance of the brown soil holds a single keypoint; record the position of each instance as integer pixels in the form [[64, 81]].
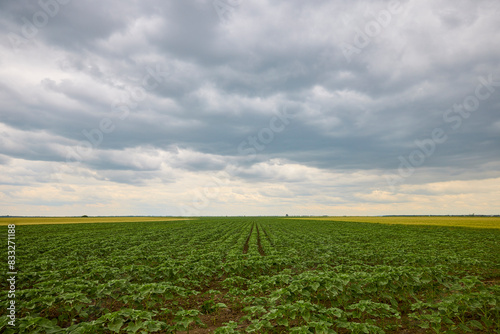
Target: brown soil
[[245, 247], [259, 245]]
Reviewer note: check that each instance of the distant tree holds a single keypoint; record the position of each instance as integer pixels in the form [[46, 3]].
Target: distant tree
[[85, 216]]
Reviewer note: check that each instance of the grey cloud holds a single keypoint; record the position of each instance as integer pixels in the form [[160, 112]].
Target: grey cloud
[[226, 80]]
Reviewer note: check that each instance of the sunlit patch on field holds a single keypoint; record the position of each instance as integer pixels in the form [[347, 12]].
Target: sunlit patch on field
[[469, 221]]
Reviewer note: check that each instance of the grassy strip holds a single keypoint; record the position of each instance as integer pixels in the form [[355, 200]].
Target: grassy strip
[[472, 222], [80, 220]]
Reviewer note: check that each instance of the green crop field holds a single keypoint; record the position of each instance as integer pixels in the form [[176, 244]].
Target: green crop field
[[450, 221], [255, 275], [79, 220]]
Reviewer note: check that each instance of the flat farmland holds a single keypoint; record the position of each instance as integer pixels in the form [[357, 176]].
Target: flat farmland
[[255, 275], [79, 220], [450, 221]]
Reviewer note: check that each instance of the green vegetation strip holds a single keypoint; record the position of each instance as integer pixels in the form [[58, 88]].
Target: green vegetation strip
[[451, 221], [79, 220]]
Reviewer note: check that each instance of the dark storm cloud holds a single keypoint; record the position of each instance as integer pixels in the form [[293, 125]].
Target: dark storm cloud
[[227, 79]]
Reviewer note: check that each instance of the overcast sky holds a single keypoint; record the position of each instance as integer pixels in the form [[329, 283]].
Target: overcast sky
[[249, 107]]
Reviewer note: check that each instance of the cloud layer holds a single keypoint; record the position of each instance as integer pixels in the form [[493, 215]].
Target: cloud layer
[[249, 107]]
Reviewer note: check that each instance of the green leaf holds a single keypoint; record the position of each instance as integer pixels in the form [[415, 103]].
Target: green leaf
[[424, 324], [221, 305], [465, 328], [115, 325], [135, 326], [476, 324], [306, 315]]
